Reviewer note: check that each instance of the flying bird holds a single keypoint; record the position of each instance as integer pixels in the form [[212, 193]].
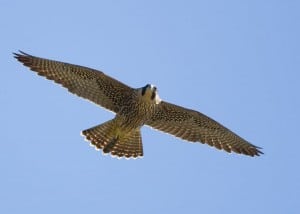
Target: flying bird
[[134, 107]]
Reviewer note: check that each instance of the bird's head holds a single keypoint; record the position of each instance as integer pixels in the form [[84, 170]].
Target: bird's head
[[149, 93]]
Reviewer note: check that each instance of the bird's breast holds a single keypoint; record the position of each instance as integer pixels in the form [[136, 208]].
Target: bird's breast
[[136, 113]]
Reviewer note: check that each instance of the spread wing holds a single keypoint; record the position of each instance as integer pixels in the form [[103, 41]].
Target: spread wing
[[85, 82], [193, 126]]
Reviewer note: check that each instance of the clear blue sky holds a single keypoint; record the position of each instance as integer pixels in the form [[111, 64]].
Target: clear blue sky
[[236, 61]]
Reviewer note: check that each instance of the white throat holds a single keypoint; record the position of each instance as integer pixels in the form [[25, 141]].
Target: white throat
[[157, 99]]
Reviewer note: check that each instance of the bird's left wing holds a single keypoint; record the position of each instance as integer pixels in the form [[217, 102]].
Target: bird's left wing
[[85, 82], [194, 126]]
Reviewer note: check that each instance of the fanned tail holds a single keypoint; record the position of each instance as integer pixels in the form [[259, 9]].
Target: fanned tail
[[111, 139]]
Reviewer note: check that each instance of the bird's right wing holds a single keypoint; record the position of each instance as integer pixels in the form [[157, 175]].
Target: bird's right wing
[[194, 126], [85, 82]]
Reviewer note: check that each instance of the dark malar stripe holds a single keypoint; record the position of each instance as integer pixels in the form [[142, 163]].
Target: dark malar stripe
[[144, 89], [153, 95]]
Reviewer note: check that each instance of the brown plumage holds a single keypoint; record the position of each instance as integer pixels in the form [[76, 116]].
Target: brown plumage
[[134, 108]]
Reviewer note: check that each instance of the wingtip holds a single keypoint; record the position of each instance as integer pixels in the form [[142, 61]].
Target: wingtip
[[256, 151], [252, 151], [16, 55], [20, 53], [259, 152]]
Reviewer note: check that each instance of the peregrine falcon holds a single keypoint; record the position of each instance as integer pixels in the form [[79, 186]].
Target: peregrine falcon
[[134, 107]]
